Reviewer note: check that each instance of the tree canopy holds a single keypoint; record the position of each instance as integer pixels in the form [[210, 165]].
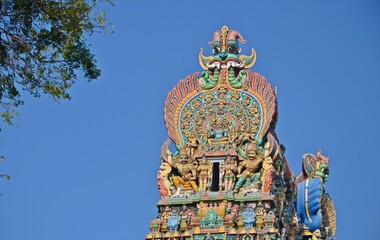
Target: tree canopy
[[43, 46]]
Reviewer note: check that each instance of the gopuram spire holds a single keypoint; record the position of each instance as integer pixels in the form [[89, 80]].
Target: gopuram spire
[[228, 178]]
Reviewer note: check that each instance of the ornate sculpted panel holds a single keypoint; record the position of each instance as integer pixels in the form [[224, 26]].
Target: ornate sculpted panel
[[227, 176]]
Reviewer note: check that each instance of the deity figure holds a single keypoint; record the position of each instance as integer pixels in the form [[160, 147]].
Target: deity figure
[[218, 134], [293, 227], [184, 221], [192, 142], [221, 109], [256, 120], [164, 218], [163, 182], [246, 101], [198, 121], [155, 225], [254, 109], [208, 97], [221, 208], [240, 114], [185, 124], [270, 219], [245, 136], [233, 136], [173, 221], [266, 170], [202, 114], [204, 173], [228, 170], [260, 212], [266, 174], [235, 96], [251, 164], [166, 214], [196, 104], [249, 217], [235, 212], [202, 210], [187, 113], [187, 170], [191, 218], [231, 108]]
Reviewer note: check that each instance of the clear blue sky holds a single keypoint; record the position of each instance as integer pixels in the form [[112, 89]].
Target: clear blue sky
[[86, 169]]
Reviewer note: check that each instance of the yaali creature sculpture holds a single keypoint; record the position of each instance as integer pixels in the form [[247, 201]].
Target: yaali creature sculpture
[[228, 178]]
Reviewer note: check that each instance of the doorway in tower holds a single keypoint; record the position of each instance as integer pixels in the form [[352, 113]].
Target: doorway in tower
[[215, 177]]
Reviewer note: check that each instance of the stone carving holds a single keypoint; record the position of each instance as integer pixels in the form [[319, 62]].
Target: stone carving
[[228, 176], [228, 171], [187, 171], [249, 217]]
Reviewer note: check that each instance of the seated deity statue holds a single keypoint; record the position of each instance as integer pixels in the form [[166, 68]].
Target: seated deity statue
[[218, 134], [187, 171]]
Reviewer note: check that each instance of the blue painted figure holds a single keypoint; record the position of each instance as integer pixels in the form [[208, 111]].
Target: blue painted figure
[[173, 222], [249, 217]]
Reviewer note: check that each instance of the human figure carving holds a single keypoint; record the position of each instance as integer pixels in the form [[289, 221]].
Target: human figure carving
[[164, 184], [228, 171], [251, 164], [266, 170], [192, 142], [204, 173], [186, 169]]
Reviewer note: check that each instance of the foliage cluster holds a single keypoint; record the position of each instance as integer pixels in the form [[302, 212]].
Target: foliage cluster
[[43, 46]]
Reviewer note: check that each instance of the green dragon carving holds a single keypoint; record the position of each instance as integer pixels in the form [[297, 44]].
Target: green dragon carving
[[226, 56]]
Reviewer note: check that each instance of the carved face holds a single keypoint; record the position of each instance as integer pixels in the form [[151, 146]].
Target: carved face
[[230, 52], [183, 158], [251, 154], [226, 50]]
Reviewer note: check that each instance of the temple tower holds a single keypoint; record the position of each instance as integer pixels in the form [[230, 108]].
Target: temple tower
[[226, 177]]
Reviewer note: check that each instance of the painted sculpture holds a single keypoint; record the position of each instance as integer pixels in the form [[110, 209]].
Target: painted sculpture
[[223, 173]]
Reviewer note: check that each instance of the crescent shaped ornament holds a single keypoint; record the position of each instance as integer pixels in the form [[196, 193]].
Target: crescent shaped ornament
[[249, 60], [203, 61]]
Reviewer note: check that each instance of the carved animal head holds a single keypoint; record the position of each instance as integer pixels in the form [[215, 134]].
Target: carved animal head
[[226, 52]]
